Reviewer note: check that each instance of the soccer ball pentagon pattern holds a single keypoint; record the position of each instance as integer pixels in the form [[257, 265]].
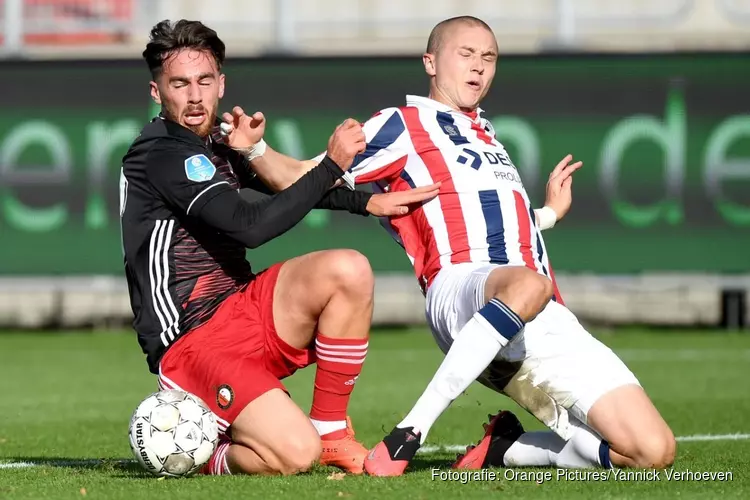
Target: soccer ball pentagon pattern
[[173, 433]]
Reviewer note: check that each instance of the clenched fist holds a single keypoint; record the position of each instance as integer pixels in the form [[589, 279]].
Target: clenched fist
[[347, 141]]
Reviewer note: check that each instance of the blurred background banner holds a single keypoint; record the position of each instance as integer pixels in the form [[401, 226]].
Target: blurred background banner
[[652, 96], [665, 141]]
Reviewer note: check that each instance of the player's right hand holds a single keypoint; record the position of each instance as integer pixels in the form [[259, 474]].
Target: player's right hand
[[347, 141]]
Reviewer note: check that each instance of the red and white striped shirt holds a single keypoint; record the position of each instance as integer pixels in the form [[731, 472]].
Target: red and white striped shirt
[[482, 212]]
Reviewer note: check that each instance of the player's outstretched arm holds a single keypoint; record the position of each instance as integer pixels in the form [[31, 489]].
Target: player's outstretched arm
[[379, 205], [186, 180], [245, 133], [256, 223], [559, 193]]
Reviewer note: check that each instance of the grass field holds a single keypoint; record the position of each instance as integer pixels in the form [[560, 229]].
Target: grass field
[[65, 402]]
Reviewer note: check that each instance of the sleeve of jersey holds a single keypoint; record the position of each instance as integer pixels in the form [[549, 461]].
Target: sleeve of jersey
[[387, 147], [385, 155], [254, 224], [184, 176]]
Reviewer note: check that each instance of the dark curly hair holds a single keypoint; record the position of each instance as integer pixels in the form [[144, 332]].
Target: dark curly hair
[[167, 38]]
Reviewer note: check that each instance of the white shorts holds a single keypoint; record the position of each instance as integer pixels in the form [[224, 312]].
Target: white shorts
[[553, 368]]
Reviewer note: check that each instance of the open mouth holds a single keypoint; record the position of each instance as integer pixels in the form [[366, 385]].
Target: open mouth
[[474, 85], [195, 117]]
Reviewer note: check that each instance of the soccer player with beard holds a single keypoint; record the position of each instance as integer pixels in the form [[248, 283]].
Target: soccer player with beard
[[209, 324]]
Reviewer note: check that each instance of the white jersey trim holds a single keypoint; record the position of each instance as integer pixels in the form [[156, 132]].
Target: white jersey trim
[[158, 270], [201, 193]]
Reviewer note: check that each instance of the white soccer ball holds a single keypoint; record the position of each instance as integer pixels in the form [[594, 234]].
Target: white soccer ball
[[173, 433]]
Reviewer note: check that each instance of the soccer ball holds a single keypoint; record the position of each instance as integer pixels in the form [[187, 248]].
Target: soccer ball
[[173, 433]]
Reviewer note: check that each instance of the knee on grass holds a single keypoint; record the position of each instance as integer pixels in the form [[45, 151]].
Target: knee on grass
[[297, 455], [655, 450]]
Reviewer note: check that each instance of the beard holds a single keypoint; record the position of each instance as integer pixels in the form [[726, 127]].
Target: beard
[[201, 130], [204, 129]]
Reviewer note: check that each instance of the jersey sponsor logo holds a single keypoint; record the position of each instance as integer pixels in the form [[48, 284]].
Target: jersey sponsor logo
[[224, 396], [491, 157], [199, 168], [476, 160], [509, 176]]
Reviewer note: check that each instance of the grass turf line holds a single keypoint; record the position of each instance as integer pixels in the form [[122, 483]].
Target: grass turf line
[[70, 396]]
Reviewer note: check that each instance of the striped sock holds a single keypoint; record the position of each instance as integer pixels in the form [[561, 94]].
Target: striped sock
[[472, 351], [217, 464], [499, 318], [339, 364]]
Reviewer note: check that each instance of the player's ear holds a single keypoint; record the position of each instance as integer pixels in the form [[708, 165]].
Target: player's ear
[[155, 92], [221, 85], [429, 64]]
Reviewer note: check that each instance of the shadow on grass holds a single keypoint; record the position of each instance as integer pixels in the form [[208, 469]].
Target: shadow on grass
[[422, 464], [125, 467], [130, 469]]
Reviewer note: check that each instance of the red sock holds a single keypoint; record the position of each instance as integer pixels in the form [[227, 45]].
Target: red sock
[[217, 464], [339, 364]]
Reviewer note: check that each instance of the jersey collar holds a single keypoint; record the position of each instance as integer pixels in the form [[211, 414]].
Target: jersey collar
[[189, 134], [426, 102]]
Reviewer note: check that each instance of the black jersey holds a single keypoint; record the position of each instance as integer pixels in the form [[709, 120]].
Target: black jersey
[[185, 228], [178, 269]]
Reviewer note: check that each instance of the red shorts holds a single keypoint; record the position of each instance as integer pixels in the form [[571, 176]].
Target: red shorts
[[236, 355]]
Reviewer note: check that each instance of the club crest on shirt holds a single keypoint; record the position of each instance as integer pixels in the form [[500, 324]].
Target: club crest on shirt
[[450, 130], [199, 168]]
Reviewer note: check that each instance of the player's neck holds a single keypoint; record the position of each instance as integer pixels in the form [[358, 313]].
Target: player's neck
[[438, 96]]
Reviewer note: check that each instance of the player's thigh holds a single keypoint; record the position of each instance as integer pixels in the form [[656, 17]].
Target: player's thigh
[[455, 295], [224, 361], [249, 401], [563, 369], [306, 284], [275, 428], [627, 419], [588, 379]]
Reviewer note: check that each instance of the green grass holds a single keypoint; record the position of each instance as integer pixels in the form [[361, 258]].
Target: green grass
[[70, 396]]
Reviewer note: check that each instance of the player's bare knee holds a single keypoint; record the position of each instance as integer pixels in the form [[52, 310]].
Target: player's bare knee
[[527, 294], [352, 274], [299, 454], [670, 452], [655, 450]]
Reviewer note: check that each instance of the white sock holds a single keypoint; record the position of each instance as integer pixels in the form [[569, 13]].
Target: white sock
[[534, 449], [585, 449], [326, 427], [474, 348]]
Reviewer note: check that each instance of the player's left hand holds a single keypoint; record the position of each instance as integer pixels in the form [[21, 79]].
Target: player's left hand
[[401, 202], [559, 186], [244, 131]]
